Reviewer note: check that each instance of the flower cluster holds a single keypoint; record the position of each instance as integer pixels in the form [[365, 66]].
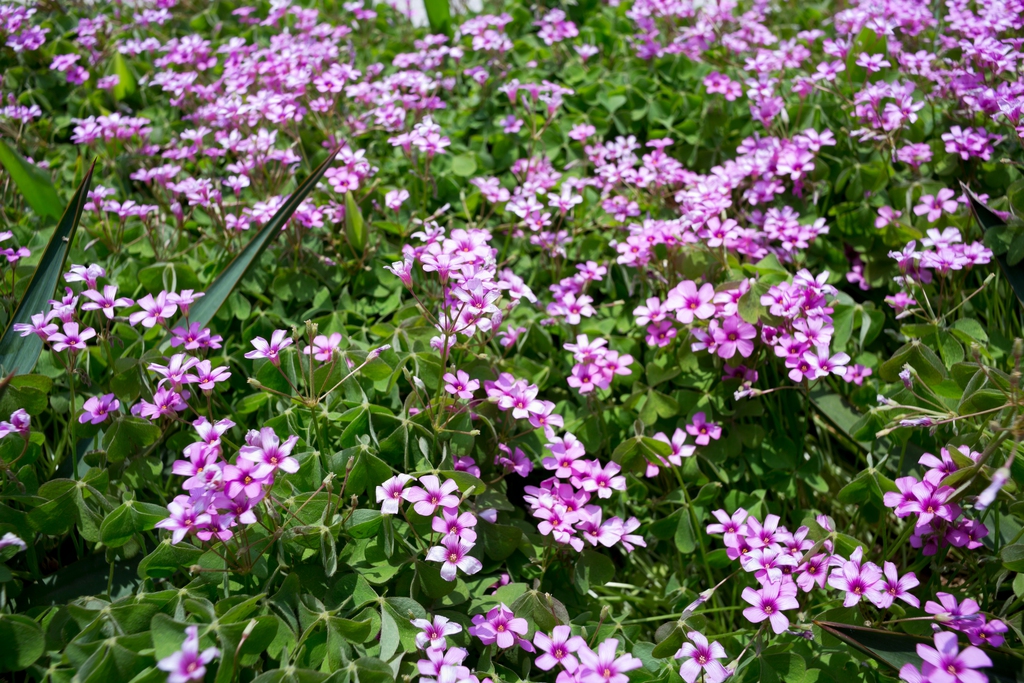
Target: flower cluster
[[595, 365], [438, 500], [785, 563], [220, 495], [937, 520]]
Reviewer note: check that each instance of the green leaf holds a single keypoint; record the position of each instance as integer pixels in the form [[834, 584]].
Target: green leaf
[[464, 165], [19, 354], [499, 540], [355, 226], [1013, 557], [541, 611], [988, 220], [33, 182], [439, 14], [363, 523], [389, 636], [129, 436], [126, 81], [23, 642], [593, 568], [217, 293], [120, 525]]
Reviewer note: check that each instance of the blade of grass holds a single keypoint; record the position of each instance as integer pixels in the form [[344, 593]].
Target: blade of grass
[[988, 220], [19, 354], [33, 182], [217, 293]]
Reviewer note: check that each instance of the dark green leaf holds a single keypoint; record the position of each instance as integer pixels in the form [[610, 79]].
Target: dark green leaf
[[33, 182], [19, 354], [217, 293]]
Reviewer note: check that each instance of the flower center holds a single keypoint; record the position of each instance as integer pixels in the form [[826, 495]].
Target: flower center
[[768, 609], [453, 558]]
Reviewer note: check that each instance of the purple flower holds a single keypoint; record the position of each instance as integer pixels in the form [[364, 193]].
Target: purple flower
[[451, 524], [702, 655], [71, 338], [513, 460], [460, 384], [188, 664], [434, 633], [934, 205], [155, 311], [390, 493], [433, 495], [702, 430], [603, 666], [184, 518], [735, 335], [768, 603], [893, 586], [858, 580], [501, 626], [98, 408], [558, 648], [270, 350], [265, 449], [945, 663], [105, 302], [454, 554]]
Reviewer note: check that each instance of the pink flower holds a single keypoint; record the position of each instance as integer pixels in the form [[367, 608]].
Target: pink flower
[[893, 586], [735, 335], [391, 492], [105, 302], [71, 338], [769, 603], [98, 408], [558, 648], [934, 206], [395, 198], [323, 347], [702, 430], [688, 302], [279, 341], [453, 524], [702, 656], [434, 633], [265, 449], [453, 553], [501, 626], [183, 519], [155, 311], [603, 666], [857, 580], [460, 384], [433, 495], [188, 664]]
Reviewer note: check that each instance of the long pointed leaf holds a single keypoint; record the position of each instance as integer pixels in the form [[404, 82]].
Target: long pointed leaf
[[33, 182], [894, 649], [216, 294], [988, 219], [439, 14], [19, 354]]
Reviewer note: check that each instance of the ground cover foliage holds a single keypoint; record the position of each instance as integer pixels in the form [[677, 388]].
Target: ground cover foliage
[[590, 343]]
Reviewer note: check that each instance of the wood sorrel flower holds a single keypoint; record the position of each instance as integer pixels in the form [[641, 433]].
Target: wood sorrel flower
[[188, 664]]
